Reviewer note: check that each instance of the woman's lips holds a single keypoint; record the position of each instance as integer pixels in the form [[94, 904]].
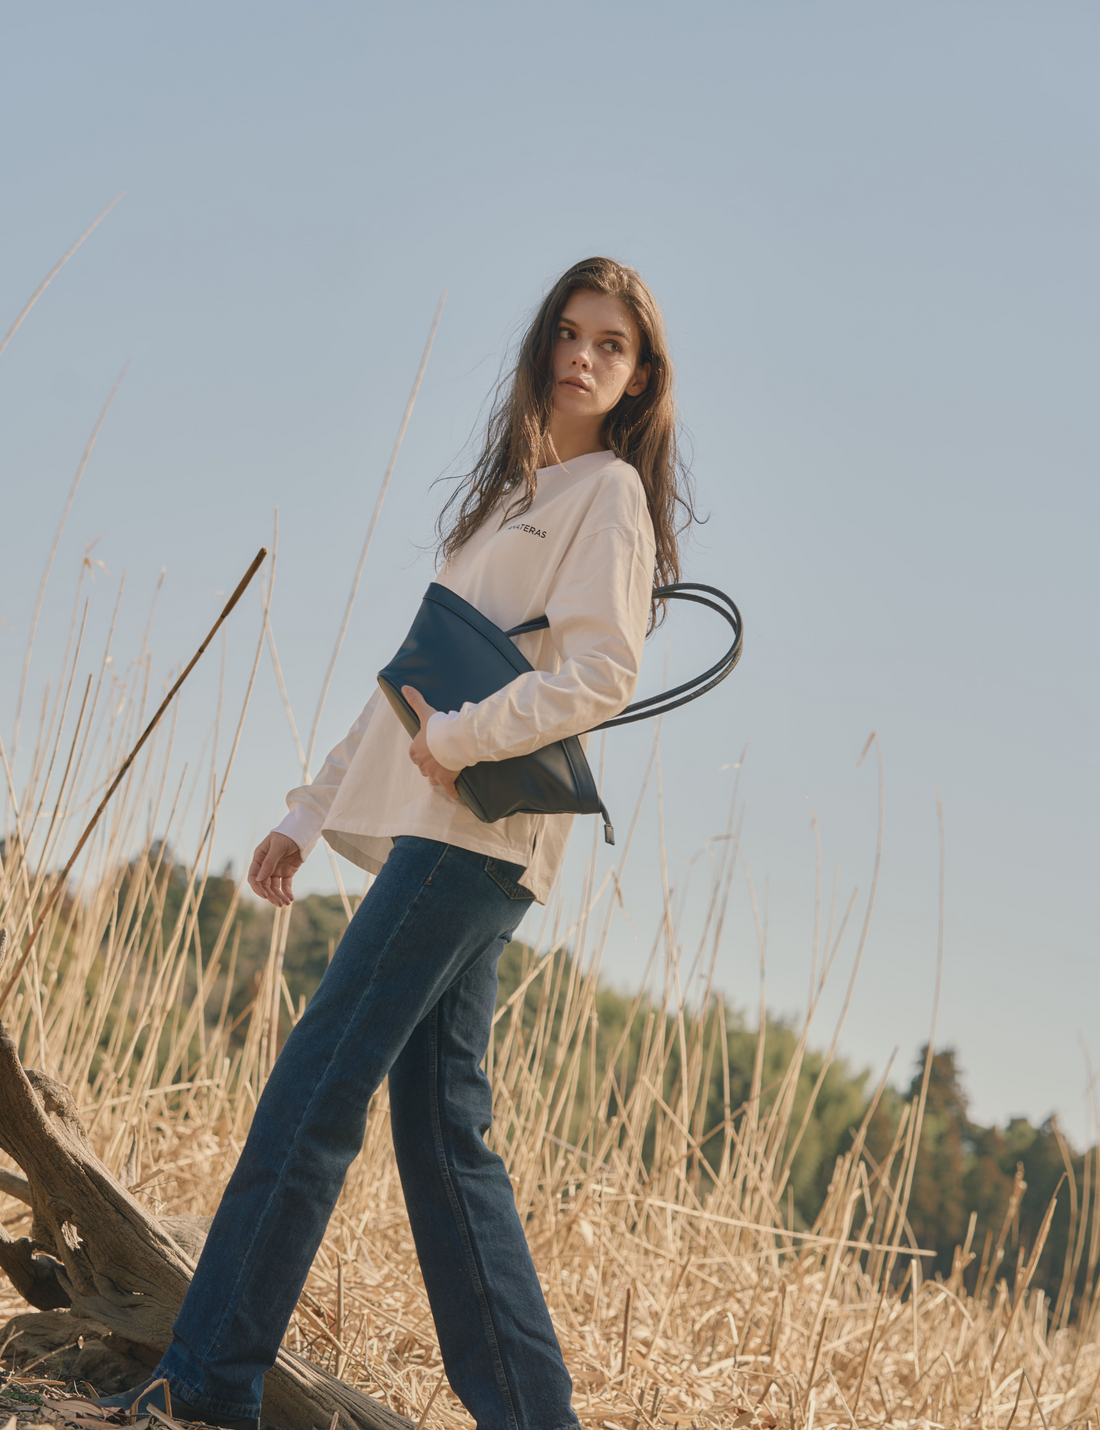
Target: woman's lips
[[574, 382]]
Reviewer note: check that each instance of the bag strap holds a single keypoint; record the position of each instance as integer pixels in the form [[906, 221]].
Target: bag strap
[[691, 689]]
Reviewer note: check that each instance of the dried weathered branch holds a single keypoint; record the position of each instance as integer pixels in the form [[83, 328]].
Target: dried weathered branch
[[95, 1249]]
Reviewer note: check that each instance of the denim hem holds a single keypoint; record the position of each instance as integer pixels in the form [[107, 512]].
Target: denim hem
[[202, 1402]]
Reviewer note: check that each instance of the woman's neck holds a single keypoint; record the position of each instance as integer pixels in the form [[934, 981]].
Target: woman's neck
[[571, 438]]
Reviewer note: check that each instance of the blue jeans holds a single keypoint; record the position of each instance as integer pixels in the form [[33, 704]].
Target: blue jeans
[[410, 992]]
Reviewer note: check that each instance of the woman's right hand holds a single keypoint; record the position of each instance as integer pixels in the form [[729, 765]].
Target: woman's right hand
[[276, 860]]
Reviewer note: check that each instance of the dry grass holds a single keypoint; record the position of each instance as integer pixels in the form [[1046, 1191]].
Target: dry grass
[[680, 1297]]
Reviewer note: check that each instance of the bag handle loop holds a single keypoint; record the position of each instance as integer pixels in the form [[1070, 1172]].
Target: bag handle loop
[[691, 689]]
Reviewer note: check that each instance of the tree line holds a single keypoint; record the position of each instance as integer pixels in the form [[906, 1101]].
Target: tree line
[[979, 1193]]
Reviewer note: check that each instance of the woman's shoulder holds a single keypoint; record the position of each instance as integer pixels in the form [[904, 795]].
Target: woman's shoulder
[[612, 471], [618, 497]]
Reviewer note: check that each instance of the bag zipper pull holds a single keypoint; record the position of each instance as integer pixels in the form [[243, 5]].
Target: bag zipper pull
[[608, 831]]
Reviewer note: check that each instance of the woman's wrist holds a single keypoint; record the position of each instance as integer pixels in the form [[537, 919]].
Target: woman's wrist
[[443, 733], [301, 826]]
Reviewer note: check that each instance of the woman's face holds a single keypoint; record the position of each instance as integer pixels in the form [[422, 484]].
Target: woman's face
[[595, 360]]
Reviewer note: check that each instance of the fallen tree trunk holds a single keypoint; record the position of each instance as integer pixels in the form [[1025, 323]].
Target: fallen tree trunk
[[95, 1250]]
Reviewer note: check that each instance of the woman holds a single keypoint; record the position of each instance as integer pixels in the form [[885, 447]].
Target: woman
[[570, 510]]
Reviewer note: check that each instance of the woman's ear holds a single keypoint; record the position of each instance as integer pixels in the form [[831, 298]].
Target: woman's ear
[[639, 382]]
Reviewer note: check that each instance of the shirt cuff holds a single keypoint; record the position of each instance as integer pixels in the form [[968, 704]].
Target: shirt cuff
[[303, 826], [443, 733]]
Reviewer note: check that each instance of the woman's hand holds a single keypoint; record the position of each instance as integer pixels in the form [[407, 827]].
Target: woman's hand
[[435, 773], [276, 860]]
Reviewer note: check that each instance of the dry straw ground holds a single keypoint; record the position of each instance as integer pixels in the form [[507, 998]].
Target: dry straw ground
[[680, 1291]]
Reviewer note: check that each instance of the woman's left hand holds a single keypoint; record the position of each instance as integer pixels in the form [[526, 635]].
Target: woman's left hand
[[435, 773]]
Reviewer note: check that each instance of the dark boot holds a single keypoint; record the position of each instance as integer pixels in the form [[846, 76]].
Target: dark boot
[[150, 1396]]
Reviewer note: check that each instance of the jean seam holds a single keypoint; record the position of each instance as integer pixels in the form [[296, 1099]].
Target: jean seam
[[460, 1221], [435, 867], [246, 1257], [195, 1397]]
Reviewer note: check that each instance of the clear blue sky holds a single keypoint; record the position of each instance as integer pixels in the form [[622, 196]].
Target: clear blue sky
[[873, 229]]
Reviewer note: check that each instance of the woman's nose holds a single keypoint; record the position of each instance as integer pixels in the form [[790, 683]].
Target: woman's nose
[[582, 357]]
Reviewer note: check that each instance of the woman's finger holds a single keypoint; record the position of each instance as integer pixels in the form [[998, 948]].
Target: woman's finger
[[258, 856], [424, 711]]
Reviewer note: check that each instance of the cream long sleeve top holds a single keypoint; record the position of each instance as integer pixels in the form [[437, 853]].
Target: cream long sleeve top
[[583, 554]]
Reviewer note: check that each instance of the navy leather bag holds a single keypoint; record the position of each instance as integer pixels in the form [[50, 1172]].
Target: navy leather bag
[[454, 654]]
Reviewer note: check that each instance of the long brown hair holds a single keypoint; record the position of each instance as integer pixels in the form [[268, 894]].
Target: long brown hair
[[641, 430]]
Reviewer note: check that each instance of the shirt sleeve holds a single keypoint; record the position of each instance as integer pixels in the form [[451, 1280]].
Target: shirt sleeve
[[309, 804], [598, 610]]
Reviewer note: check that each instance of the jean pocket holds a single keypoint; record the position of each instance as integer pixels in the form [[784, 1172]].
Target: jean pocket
[[504, 874]]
